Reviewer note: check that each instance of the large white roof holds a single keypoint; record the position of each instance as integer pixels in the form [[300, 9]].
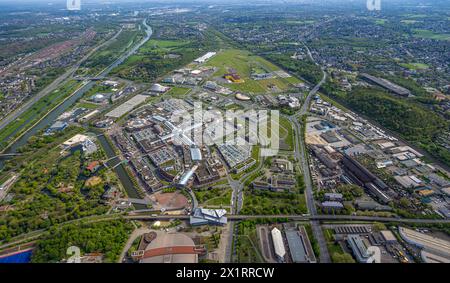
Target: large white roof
[[158, 88], [278, 242]]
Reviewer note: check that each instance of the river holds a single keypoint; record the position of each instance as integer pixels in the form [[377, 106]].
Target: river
[[55, 113]]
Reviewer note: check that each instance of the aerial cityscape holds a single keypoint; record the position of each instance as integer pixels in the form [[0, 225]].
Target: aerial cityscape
[[209, 131]]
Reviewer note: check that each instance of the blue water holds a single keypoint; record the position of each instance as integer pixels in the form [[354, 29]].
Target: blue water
[[24, 257]]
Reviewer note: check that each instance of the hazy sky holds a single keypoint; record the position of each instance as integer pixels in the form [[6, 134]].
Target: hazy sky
[[216, 1]]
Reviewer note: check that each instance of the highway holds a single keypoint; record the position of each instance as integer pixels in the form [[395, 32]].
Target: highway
[[301, 156]]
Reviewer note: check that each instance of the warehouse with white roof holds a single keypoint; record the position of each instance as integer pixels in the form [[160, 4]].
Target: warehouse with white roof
[[278, 244]]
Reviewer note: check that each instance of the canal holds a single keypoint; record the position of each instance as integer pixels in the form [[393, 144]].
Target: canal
[[120, 170]]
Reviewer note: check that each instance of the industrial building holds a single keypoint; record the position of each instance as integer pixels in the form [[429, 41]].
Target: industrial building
[[364, 178], [56, 127], [359, 249], [333, 196], [388, 236], [157, 88], [332, 205], [324, 157], [299, 246]]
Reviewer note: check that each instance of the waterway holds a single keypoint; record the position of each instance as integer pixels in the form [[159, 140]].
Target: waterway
[[20, 257], [55, 113], [124, 178]]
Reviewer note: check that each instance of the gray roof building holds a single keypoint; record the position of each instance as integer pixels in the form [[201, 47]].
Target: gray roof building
[[359, 249], [203, 216]]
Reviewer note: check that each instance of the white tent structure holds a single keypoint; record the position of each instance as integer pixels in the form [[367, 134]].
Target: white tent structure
[[278, 244]]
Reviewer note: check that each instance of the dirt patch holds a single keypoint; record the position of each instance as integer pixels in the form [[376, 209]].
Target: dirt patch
[[170, 201]]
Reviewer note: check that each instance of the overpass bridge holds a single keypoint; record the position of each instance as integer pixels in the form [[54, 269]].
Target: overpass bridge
[[135, 215]]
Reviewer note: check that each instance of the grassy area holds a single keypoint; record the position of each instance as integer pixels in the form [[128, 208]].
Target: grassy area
[[430, 34], [337, 253], [108, 238], [415, 66], [245, 63], [178, 91], [215, 196], [97, 88], [266, 202], [87, 105], [288, 136], [222, 199], [152, 60], [163, 44], [380, 21], [247, 245], [332, 246], [4, 178]]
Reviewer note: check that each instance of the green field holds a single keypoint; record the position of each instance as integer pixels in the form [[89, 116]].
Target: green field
[[87, 105], [247, 244], [152, 59], [214, 197], [224, 198], [335, 249], [178, 91], [244, 63], [414, 66], [163, 44], [380, 21], [431, 35]]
